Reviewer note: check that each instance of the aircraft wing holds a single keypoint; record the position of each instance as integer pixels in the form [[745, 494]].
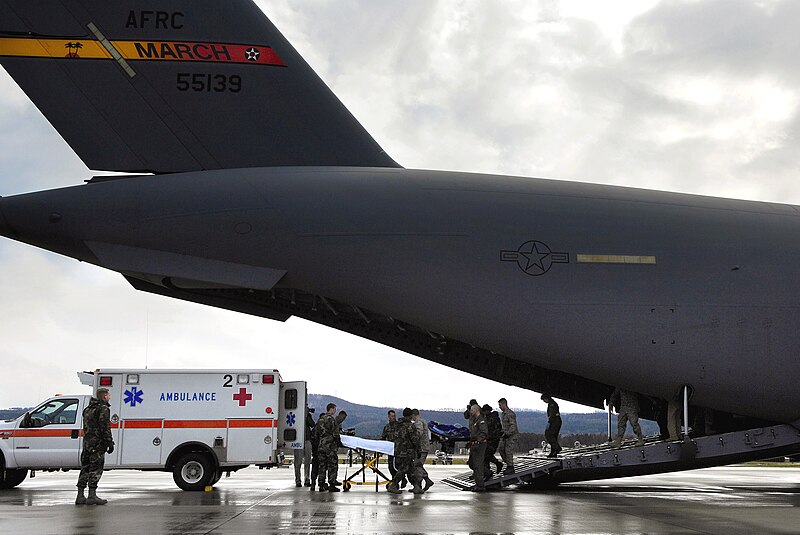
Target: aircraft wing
[[177, 86]]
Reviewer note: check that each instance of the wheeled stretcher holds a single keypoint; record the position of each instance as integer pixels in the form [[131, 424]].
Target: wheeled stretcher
[[368, 453]]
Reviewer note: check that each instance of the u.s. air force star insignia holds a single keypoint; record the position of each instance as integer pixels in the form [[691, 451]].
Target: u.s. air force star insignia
[[534, 257], [251, 54]]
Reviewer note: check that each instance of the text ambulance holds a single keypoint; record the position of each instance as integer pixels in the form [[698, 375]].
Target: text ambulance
[[196, 424]]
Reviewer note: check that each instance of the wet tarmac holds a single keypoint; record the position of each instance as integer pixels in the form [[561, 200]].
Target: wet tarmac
[[729, 501]]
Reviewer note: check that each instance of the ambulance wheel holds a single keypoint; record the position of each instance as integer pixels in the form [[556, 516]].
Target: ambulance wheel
[[216, 478], [193, 472], [12, 477]]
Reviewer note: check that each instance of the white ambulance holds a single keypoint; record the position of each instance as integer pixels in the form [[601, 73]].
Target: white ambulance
[[197, 424]]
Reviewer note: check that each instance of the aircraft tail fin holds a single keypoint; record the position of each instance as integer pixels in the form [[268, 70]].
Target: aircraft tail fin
[[194, 85]]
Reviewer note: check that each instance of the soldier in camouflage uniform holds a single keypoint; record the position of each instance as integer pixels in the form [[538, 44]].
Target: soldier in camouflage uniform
[[303, 456], [314, 450], [388, 434], [406, 445], [627, 405], [493, 439], [334, 474], [478, 432], [327, 432], [510, 435], [468, 412], [97, 441], [421, 427], [553, 425]]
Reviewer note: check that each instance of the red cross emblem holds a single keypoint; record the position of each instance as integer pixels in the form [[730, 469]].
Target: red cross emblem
[[242, 397]]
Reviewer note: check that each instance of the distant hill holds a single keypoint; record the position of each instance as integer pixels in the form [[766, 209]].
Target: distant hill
[[368, 421], [12, 413]]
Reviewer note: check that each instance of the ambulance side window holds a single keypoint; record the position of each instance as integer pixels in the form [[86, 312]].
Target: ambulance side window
[[290, 398], [57, 411]]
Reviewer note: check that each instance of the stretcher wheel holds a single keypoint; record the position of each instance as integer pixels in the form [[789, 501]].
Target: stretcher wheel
[[346, 486]]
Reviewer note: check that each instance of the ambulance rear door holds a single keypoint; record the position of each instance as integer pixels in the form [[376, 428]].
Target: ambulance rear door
[[292, 415], [252, 408]]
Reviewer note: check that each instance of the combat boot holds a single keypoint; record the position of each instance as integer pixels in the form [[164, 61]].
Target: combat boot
[[616, 443], [509, 470], [93, 499], [640, 442], [323, 487], [393, 488], [428, 484], [417, 489], [81, 499]]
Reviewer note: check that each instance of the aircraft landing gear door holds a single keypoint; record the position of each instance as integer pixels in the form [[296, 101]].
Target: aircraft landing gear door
[[293, 407]]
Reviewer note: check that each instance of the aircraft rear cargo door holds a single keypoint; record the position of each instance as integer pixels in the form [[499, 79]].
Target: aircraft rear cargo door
[[291, 428], [141, 442]]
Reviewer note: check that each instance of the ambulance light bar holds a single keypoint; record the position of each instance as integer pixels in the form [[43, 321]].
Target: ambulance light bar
[[86, 378], [106, 380], [268, 379]]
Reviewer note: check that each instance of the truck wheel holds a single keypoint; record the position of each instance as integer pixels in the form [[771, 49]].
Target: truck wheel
[[12, 478], [193, 472], [216, 478]]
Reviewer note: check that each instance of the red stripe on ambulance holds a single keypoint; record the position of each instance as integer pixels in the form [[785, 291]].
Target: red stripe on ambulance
[[44, 432]]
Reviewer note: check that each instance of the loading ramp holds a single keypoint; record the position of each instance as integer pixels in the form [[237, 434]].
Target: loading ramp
[[528, 468], [656, 456]]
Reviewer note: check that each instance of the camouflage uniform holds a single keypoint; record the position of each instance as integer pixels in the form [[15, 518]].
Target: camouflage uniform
[[97, 440], [388, 433], [468, 413], [327, 433], [314, 449], [627, 404], [478, 433], [303, 456], [421, 428], [510, 435], [553, 427], [406, 445], [492, 441]]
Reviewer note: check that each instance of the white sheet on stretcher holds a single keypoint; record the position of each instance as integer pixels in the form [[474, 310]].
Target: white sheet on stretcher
[[382, 446]]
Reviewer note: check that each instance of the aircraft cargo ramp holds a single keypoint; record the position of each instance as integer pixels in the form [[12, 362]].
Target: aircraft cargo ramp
[[656, 456]]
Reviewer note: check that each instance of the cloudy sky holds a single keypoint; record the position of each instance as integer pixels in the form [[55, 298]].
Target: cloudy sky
[[689, 96]]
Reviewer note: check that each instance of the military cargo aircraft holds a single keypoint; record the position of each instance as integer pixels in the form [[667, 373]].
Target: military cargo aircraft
[[250, 187]]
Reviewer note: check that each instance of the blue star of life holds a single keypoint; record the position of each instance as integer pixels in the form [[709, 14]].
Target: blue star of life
[[290, 419], [133, 396]]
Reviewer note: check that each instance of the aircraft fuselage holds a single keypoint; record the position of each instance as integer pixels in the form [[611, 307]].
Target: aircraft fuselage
[[641, 289]]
